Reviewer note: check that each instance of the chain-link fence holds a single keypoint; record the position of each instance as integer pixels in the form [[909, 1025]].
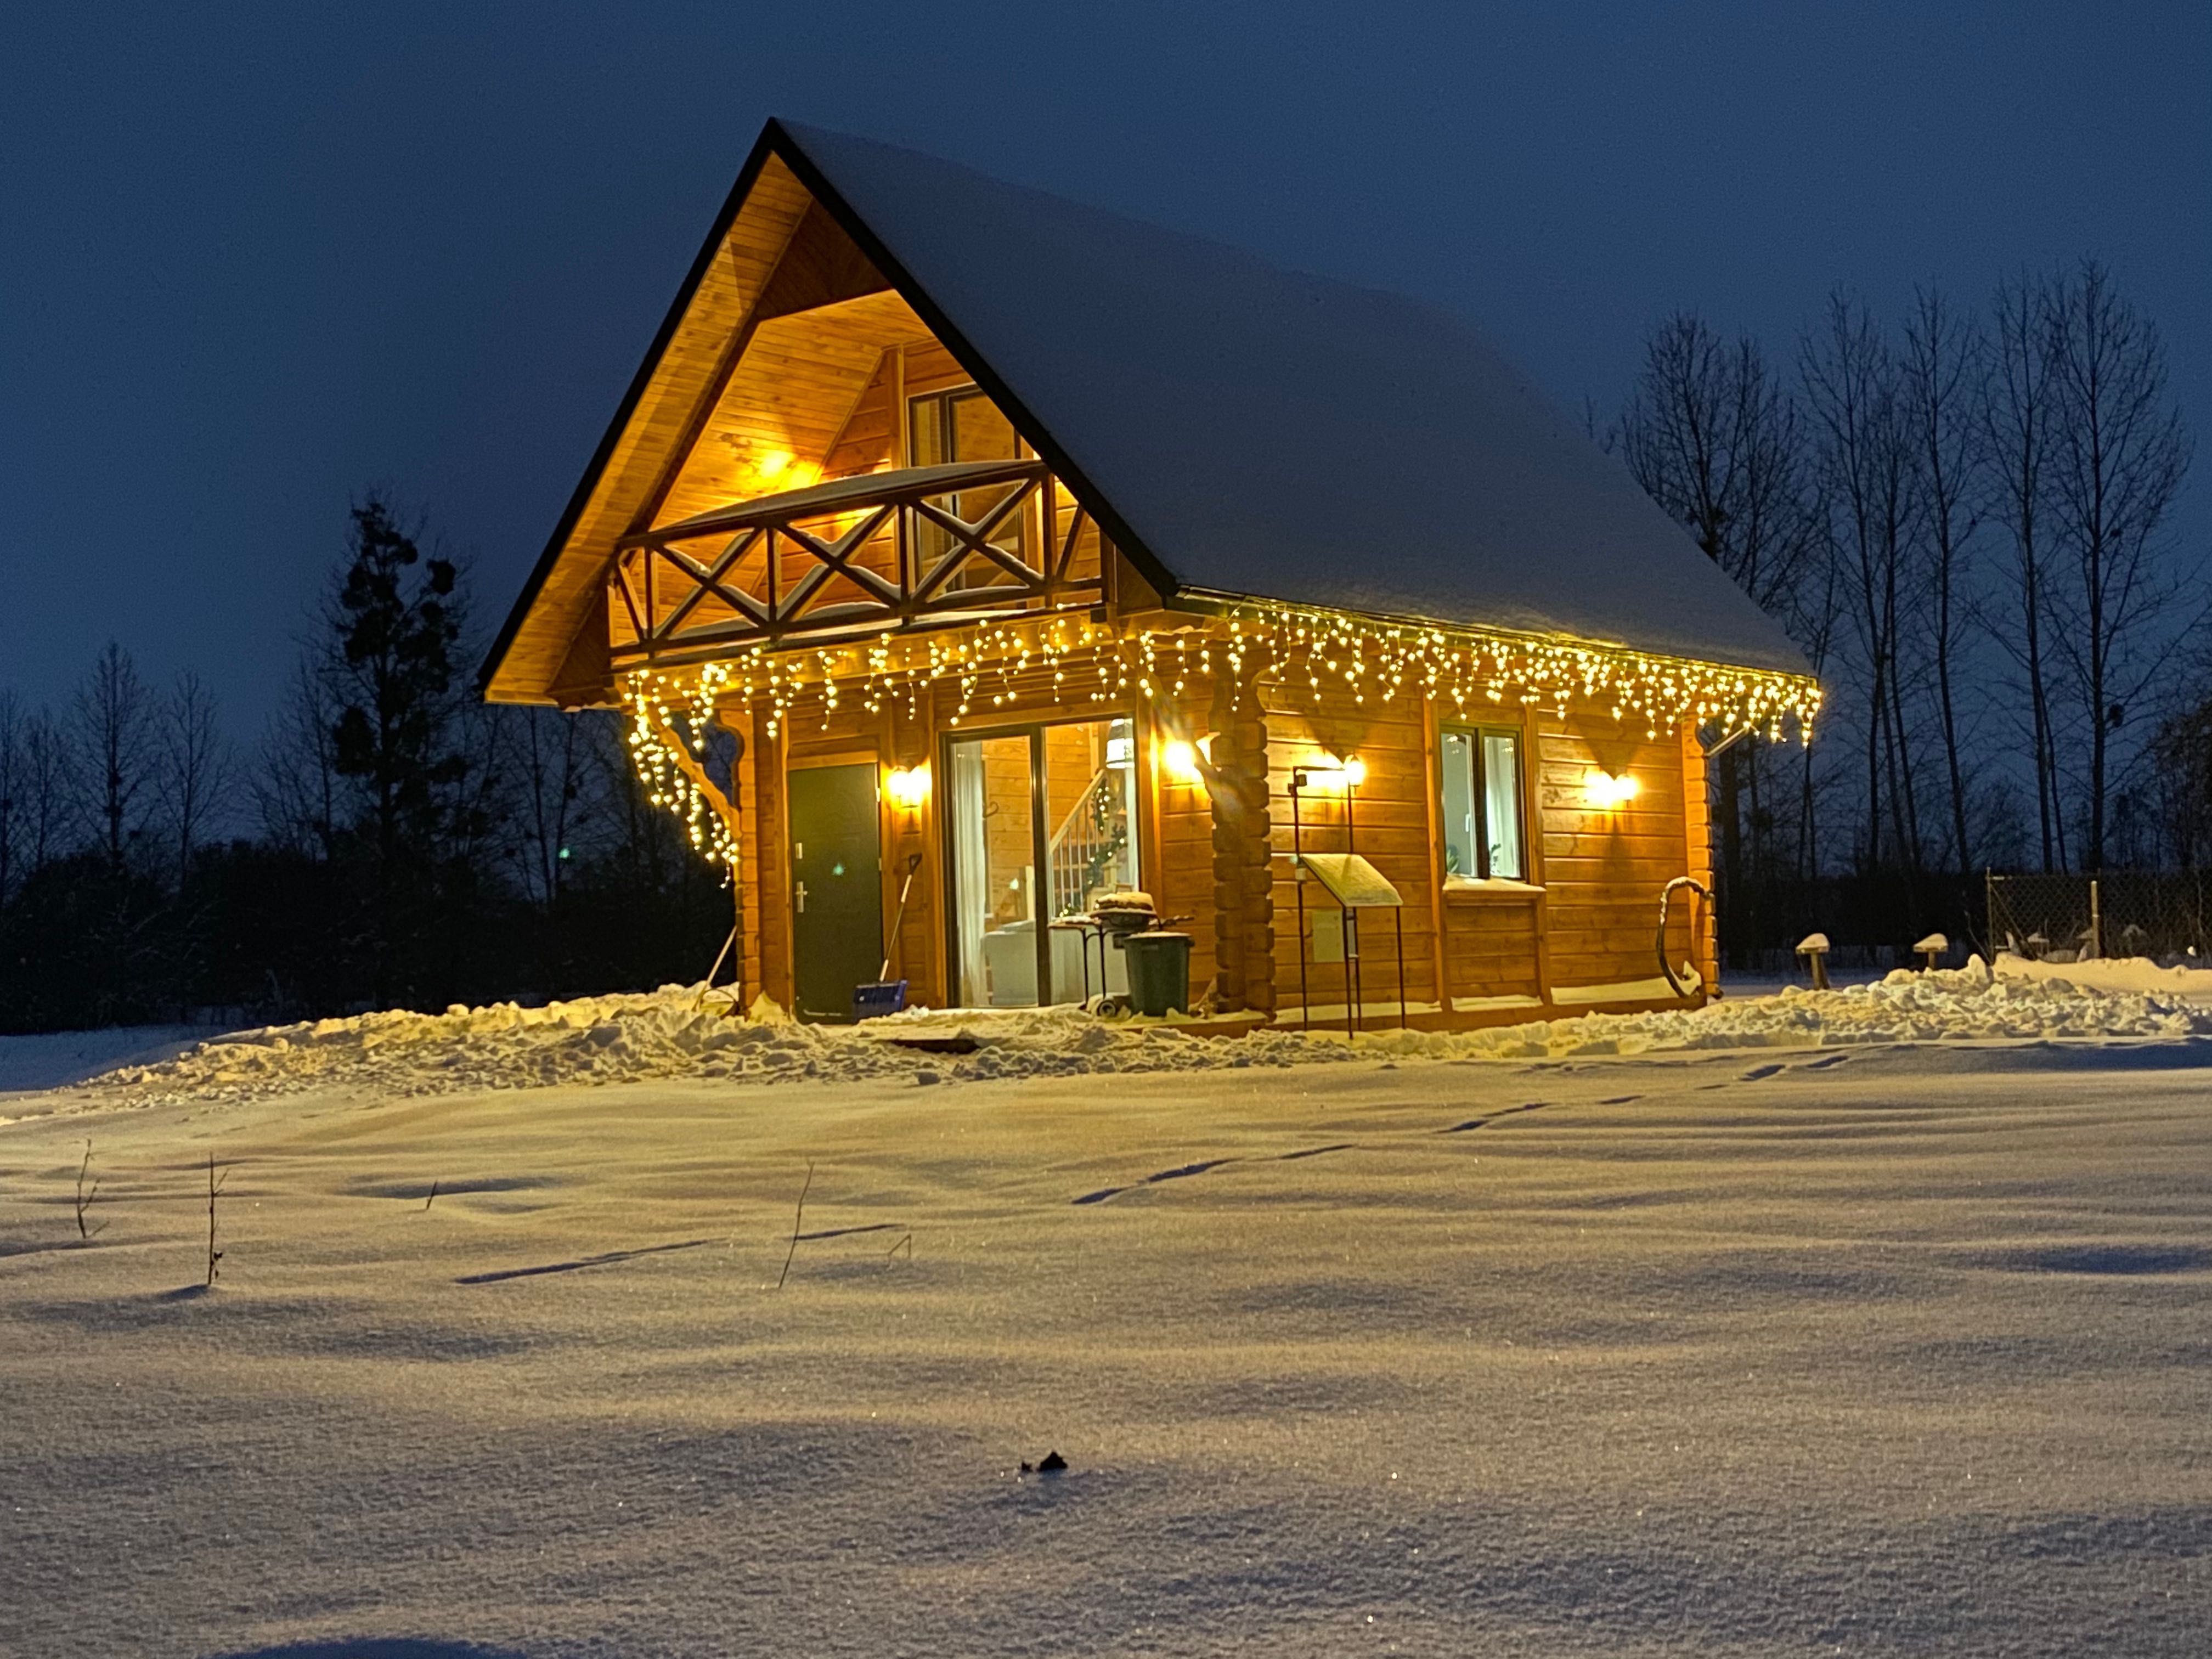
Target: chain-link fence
[[2072, 918]]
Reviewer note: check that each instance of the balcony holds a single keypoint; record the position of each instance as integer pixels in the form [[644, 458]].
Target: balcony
[[955, 545]]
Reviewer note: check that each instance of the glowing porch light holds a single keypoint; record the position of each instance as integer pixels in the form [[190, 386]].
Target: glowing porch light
[[907, 786], [1604, 791], [1179, 760], [1330, 773]]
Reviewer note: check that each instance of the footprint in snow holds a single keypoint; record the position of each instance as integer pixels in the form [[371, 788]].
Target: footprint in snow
[[1758, 1072]]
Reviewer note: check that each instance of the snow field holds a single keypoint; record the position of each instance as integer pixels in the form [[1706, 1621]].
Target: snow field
[[666, 1033], [1894, 1351]]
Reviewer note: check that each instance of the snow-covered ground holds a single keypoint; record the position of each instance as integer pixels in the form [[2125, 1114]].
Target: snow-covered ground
[[671, 1034], [1841, 1346], [2114, 974], [57, 1059]]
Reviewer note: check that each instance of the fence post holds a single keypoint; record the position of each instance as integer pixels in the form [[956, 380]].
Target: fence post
[[2096, 924], [1990, 912]]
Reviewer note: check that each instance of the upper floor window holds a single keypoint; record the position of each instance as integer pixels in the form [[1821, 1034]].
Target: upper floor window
[[1482, 804], [961, 425]]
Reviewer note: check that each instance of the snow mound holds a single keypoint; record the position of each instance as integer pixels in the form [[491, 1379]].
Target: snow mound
[[2111, 974], [668, 1034]]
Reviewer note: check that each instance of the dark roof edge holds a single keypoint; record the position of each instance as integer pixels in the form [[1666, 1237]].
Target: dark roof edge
[[1063, 465], [733, 204]]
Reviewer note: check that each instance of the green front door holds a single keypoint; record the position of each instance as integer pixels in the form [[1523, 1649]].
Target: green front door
[[837, 888]]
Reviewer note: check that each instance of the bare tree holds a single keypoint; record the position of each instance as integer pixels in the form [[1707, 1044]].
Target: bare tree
[[1852, 387], [1942, 368], [556, 780], [1712, 435], [50, 792], [191, 775], [2118, 455], [114, 720], [296, 787], [2017, 416], [14, 764]]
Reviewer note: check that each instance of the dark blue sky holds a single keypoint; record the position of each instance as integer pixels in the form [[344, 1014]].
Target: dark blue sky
[[257, 256]]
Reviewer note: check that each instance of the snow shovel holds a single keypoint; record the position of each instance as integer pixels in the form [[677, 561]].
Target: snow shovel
[[887, 995]]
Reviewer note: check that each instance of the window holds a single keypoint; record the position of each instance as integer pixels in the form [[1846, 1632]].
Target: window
[[1482, 805], [964, 425]]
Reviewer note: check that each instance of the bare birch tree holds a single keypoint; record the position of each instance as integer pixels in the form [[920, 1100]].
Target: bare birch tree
[[1712, 435], [1852, 389], [2017, 417], [2118, 455], [1942, 368]]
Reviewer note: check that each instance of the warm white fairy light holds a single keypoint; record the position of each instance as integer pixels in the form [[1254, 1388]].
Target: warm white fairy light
[[1318, 653], [659, 704]]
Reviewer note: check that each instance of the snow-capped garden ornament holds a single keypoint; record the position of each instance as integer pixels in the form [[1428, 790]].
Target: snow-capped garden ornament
[[890, 502], [1930, 948], [1813, 947]]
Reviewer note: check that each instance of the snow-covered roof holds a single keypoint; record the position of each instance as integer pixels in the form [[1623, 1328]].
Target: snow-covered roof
[[1263, 432], [1236, 428]]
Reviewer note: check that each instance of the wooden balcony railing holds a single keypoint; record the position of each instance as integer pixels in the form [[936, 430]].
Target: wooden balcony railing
[[935, 546]]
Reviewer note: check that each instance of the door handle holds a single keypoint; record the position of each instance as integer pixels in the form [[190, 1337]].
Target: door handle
[[801, 897]]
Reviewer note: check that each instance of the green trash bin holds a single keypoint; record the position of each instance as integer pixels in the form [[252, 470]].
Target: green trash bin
[[1159, 971]]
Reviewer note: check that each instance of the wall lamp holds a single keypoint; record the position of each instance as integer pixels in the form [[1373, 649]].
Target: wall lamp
[[1604, 792], [1179, 759], [1330, 773], [907, 786]]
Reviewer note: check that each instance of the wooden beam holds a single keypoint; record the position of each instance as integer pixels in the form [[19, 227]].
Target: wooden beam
[[688, 764]]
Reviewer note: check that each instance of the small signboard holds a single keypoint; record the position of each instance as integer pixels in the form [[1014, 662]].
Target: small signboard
[[1351, 880]]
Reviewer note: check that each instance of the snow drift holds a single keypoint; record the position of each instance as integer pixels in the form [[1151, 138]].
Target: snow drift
[[667, 1034]]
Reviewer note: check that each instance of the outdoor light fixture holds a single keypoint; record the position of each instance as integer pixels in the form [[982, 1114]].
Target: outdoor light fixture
[[907, 786], [1179, 760], [1330, 773], [1604, 792]]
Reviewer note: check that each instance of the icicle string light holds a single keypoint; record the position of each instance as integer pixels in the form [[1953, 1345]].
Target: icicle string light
[[664, 711], [1319, 653]]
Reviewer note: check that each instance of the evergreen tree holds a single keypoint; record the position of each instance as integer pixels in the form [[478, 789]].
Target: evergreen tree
[[396, 621]]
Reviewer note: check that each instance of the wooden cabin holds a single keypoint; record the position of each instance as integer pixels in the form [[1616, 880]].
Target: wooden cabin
[[959, 541]]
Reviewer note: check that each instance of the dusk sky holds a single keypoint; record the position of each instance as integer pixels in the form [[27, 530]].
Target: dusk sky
[[258, 258]]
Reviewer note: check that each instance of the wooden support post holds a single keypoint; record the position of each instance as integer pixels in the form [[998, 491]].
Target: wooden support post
[[1243, 871]]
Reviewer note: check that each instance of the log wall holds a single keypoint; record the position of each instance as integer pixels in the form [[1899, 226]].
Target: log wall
[[1217, 849]]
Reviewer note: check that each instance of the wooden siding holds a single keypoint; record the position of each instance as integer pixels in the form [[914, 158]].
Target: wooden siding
[[1390, 819], [1603, 870], [1473, 954]]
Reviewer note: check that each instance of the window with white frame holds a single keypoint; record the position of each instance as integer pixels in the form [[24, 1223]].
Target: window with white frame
[[1482, 805]]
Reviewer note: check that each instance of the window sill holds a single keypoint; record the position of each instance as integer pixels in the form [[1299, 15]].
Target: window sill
[[1466, 889]]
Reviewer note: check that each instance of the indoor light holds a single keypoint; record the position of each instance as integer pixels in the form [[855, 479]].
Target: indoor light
[[907, 786], [1604, 792], [1180, 761]]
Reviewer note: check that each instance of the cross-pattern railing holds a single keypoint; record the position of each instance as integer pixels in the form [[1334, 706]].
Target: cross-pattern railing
[[861, 555]]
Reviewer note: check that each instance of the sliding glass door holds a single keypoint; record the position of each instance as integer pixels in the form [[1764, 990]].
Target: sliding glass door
[[1040, 824]]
